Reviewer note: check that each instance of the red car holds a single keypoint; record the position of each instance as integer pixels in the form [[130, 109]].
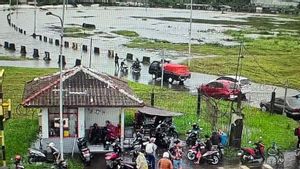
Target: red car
[[220, 89]]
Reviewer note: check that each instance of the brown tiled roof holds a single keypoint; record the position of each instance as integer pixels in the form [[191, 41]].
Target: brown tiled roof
[[82, 87]]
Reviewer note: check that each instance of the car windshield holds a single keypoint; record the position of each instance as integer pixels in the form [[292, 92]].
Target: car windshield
[[245, 82], [294, 102]]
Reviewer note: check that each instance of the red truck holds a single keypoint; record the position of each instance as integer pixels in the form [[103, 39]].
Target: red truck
[[172, 71]]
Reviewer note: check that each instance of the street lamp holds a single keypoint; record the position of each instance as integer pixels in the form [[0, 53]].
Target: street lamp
[[60, 84]]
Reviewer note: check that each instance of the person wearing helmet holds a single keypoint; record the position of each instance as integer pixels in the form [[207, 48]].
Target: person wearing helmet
[[165, 162], [195, 127], [141, 162]]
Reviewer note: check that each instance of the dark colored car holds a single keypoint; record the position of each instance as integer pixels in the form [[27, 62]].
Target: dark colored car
[[292, 106], [220, 89], [172, 72]]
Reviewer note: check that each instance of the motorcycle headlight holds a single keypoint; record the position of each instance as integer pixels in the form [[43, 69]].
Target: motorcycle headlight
[[239, 153]]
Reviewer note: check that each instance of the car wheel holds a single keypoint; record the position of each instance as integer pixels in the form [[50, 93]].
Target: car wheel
[[263, 108]]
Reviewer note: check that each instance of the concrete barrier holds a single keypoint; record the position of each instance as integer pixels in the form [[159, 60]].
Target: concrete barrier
[[77, 62], [6, 45], [111, 53], [74, 45], [56, 42], [96, 50], [23, 50], [146, 60], [129, 56], [12, 47], [47, 56], [66, 44], [84, 48], [36, 53], [63, 60]]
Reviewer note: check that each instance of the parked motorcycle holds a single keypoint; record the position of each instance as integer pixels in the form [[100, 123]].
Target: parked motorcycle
[[42, 155], [167, 128], [124, 67], [192, 135], [211, 157], [112, 159], [85, 153], [139, 142], [162, 140], [125, 165], [18, 162], [252, 155]]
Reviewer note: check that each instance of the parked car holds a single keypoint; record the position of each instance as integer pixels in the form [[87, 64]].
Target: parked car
[[243, 82], [172, 72], [292, 106], [220, 89]]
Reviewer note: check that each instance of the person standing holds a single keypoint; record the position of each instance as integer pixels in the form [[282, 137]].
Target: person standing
[[177, 152], [141, 162], [150, 152], [165, 162], [117, 61]]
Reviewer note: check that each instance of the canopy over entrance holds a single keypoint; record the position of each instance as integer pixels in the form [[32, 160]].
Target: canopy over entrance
[[158, 112]]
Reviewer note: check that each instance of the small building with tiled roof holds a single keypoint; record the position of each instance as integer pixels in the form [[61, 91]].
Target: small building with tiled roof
[[88, 97]]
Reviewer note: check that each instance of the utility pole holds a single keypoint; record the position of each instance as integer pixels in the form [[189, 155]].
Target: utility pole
[[162, 69], [285, 95], [91, 44], [236, 124], [190, 33], [34, 20]]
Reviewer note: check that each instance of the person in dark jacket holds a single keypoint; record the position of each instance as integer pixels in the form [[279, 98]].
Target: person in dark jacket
[[117, 61], [95, 134]]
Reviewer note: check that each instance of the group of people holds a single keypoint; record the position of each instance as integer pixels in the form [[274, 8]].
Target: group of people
[[135, 63], [172, 159], [97, 134]]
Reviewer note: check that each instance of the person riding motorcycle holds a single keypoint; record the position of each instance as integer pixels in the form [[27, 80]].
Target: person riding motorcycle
[[136, 63]]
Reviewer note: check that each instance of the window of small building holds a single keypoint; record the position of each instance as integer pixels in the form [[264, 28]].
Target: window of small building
[[70, 122]]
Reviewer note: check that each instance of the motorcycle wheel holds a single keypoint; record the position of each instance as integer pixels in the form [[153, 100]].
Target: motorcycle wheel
[[191, 156], [271, 160], [215, 160]]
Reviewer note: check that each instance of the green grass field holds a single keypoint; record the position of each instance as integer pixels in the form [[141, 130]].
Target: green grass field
[[22, 129]]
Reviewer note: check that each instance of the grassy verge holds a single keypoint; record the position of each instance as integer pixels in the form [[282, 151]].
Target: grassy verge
[[126, 33]]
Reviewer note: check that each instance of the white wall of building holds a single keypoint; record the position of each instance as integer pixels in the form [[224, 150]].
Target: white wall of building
[[100, 115]]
